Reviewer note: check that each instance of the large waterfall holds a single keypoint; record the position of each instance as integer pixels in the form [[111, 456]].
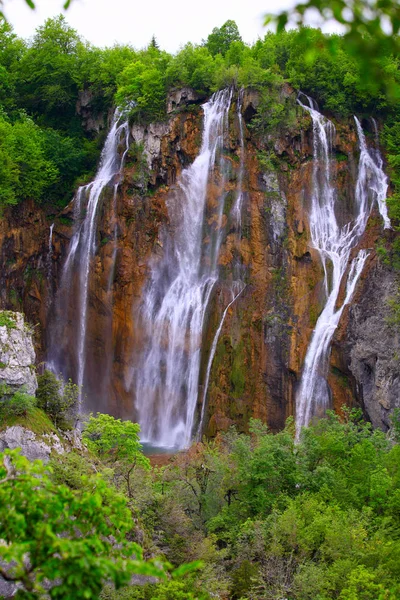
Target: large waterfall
[[180, 287], [334, 241], [82, 250]]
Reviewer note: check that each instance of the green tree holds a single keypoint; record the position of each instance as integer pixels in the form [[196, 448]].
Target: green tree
[[58, 399], [116, 443], [142, 86], [154, 43], [11, 52], [74, 539], [220, 39], [371, 34], [193, 66], [48, 74], [73, 160], [25, 171]]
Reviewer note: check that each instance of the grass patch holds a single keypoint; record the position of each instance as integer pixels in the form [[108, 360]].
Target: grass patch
[[35, 420]]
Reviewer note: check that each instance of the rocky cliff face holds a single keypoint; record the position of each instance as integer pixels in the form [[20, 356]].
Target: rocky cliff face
[[266, 331], [366, 347]]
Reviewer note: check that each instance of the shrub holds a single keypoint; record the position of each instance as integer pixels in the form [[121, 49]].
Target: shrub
[[58, 399], [18, 405]]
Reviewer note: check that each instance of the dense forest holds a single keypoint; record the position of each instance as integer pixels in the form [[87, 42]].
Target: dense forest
[[244, 516], [253, 517]]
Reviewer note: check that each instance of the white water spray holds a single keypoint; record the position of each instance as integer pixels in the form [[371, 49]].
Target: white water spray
[[334, 243]]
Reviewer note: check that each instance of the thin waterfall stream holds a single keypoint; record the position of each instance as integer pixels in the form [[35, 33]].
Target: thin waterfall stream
[[334, 242], [49, 262]]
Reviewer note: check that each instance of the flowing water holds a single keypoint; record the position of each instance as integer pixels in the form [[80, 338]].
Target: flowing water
[[82, 249], [49, 261], [334, 241], [179, 290]]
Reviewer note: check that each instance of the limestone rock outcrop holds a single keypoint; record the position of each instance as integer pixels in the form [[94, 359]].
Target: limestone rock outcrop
[[41, 447], [17, 354], [31, 446]]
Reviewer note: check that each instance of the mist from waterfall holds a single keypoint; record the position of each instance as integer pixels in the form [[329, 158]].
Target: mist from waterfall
[[334, 243]]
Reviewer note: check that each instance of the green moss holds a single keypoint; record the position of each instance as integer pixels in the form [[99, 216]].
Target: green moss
[[66, 221], [341, 377], [7, 320], [221, 351], [35, 420], [389, 253], [267, 160], [314, 314], [373, 222], [393, 319], [3, 365], [238, 378], [280, 283]]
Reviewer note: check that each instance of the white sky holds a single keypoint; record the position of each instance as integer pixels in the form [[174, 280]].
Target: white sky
[[173, 22]]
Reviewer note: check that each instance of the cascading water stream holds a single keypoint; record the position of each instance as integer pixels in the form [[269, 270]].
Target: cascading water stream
[[334, 243], [49, 255], [371, 177], [83, 242], [238, 284], [179, 290]]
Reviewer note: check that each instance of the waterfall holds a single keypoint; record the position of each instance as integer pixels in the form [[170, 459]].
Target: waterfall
[[180, 286], [49, 256], [371, 177], [334, 242], [82, 249]]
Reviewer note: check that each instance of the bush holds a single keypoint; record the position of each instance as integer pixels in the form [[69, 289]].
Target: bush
[[58, 399], [18, 405]]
